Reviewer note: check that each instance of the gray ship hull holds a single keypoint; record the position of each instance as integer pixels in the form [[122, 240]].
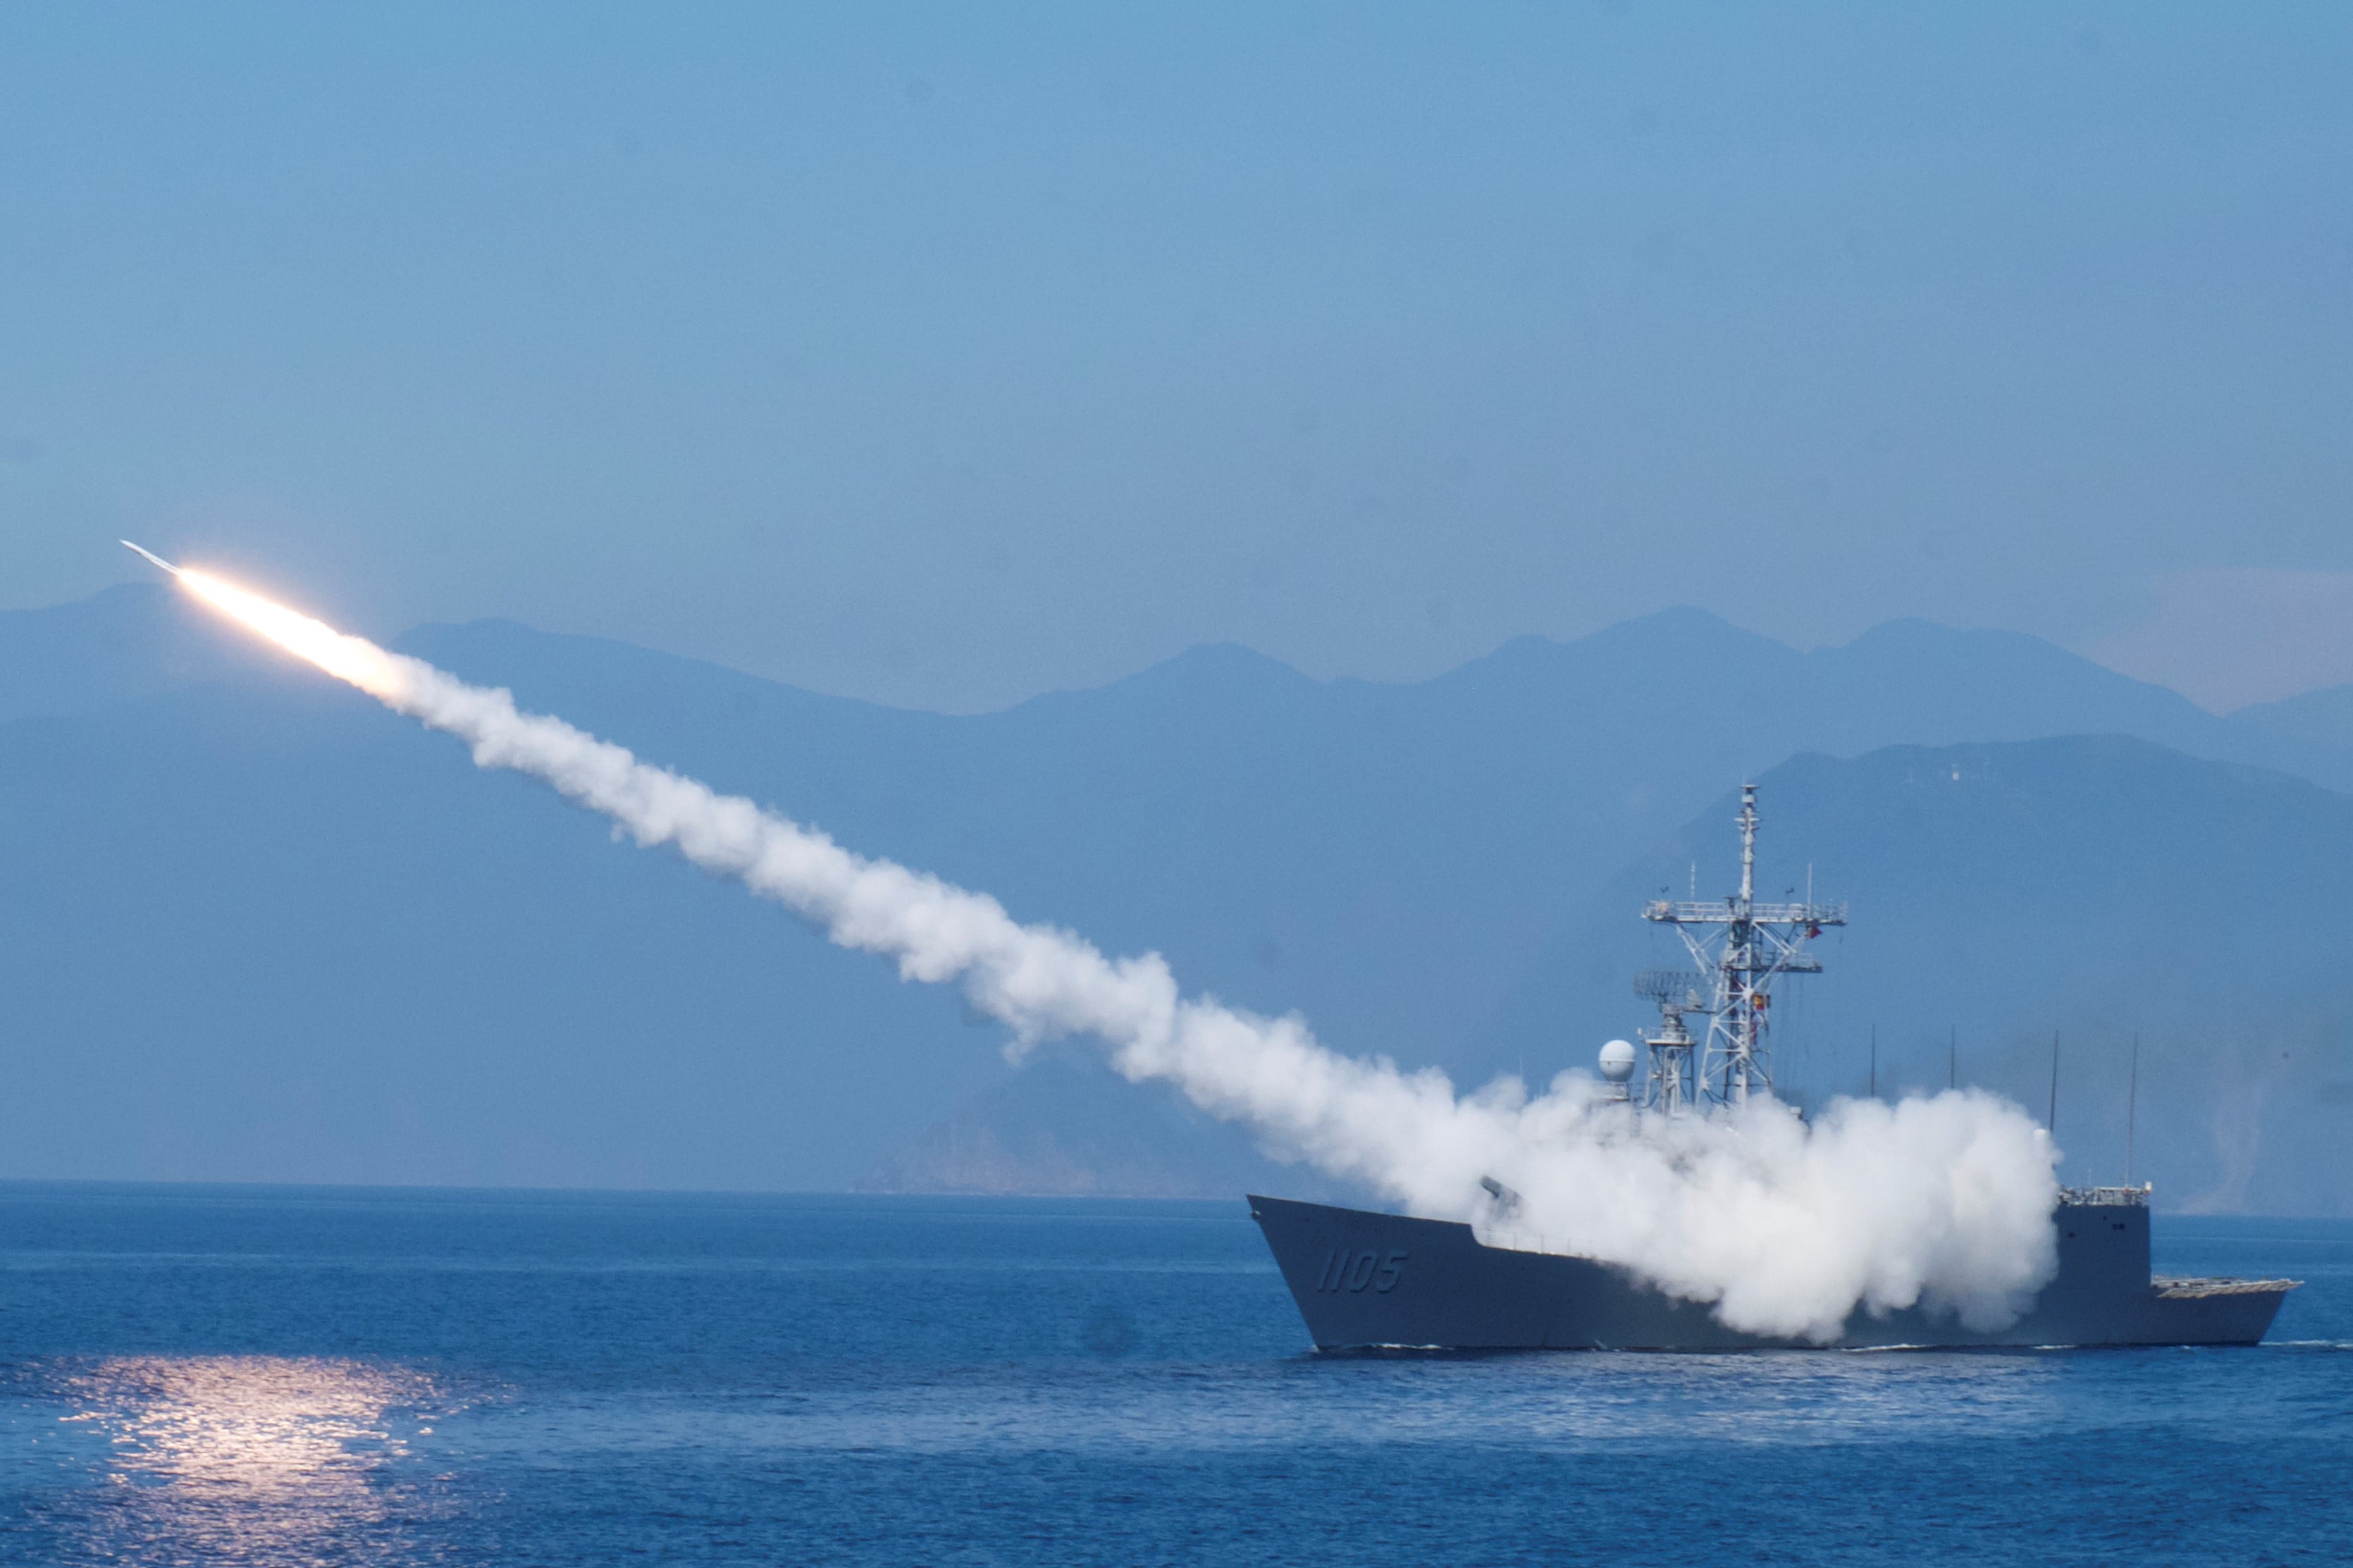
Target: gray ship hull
[[1368, 1280]]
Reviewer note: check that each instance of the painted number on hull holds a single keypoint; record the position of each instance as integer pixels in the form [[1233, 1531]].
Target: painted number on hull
[[1345, 1270]]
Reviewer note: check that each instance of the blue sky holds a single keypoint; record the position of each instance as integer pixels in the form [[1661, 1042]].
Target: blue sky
[[947, 354]]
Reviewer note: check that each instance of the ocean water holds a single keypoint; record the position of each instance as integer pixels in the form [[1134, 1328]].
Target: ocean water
[[276, 1375]]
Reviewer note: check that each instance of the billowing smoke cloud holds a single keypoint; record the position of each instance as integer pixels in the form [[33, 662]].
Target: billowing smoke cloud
[[1786, 1227]]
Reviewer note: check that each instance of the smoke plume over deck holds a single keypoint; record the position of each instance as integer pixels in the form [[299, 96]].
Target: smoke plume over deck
[[1786, 1228]]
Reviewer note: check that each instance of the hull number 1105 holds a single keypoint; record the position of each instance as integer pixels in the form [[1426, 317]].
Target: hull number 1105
[[1347, 1269]]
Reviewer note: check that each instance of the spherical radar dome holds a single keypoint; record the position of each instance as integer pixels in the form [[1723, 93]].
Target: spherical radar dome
[[1618, 1061]]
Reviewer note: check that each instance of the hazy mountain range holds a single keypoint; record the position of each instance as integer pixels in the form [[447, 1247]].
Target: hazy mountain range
[[253, 927]]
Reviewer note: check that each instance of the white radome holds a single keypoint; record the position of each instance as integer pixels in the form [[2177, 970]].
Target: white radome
[[1618, 1061]]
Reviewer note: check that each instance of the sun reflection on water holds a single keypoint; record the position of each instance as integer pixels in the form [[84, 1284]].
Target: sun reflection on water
[[250, 1459]]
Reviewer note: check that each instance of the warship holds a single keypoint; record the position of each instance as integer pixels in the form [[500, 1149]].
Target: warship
[[1370, 1280]]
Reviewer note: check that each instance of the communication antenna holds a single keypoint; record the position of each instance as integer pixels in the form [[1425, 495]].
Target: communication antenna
[[1875, 1061], [1953, 1059], [1617, 1064], [2132, 1104], [2050, 1122]]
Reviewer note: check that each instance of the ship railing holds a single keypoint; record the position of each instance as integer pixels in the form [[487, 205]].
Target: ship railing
[[2104, 1197], [2176, 1288], [1519, 1241], [1715, 912]]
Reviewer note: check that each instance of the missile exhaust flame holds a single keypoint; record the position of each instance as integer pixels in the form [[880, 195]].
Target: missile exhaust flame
[[1785, 1227], [348, 658]]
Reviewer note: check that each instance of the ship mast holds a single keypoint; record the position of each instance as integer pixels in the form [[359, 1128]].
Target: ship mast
[[1739, 947]]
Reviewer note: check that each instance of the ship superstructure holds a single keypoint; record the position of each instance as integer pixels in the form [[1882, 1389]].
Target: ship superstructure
[[1738, 948], [1368, 1279]]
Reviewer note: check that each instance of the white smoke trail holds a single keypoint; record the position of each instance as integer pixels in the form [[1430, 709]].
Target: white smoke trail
[[1786, 1228]]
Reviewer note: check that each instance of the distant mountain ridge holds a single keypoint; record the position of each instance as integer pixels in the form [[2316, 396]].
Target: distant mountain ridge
[[134, 640], [385, 966]]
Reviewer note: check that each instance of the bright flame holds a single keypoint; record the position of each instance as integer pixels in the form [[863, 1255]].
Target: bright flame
[[351, 658]]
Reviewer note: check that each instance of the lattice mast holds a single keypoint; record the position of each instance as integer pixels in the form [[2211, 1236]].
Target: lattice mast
[[1739, 947]]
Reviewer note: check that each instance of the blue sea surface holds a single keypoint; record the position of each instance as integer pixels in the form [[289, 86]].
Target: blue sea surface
[[280, 1375]]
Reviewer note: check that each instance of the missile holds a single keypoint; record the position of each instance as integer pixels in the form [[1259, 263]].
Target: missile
[[151, 555]]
